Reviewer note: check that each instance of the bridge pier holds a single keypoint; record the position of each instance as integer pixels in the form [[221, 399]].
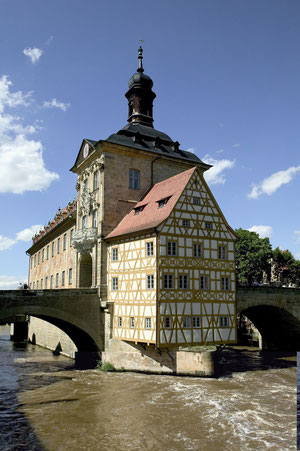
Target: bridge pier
[[19, 329], [85, 360]]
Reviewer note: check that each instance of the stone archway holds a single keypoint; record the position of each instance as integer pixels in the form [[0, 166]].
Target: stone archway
[[279, 329], [85, 271]]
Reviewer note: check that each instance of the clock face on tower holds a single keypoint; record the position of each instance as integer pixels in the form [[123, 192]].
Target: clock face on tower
[[85, 150]]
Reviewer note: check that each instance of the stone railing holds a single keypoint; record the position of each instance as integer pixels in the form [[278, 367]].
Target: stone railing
[[84, 239]]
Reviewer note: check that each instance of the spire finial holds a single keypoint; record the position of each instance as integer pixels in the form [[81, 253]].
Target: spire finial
[[140, 57]]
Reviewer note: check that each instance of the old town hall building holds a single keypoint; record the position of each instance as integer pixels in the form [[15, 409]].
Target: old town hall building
[[146, 231]]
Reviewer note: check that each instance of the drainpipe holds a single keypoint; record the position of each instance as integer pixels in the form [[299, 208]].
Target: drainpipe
[[155, 159]]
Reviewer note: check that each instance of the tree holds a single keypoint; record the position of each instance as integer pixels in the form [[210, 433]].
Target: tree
[[253, 256], [285, 267]]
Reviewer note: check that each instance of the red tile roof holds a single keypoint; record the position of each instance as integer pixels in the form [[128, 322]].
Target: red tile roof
[[151, 216]]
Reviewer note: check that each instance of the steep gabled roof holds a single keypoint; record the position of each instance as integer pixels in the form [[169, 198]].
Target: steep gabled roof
[[150, 215]]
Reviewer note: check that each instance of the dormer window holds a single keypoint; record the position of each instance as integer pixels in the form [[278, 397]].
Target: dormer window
[[137, 210], [163, 202]]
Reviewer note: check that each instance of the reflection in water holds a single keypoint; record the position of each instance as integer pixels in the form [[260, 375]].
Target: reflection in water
[[70, 409]]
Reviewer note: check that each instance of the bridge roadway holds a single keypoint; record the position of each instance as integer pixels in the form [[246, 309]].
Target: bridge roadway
[[274, 311]]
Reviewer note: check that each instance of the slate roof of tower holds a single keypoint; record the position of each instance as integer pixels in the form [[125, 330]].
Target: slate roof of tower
[[147, 138], [151, 216]]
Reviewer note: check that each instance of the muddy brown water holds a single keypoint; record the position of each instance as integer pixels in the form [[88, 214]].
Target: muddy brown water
[[45, 404]]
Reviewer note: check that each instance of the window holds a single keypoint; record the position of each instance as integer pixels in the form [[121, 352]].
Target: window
[[172, 248], [222, 254], [150, 282], [56, 280], [167, 322], [42, 282], [58, 245], [149, 249], [196, 200], [38, 258], [134, 179], [225, 283], [186, 322], [31, 262], [183, 282], [47, 253], [46, 282], [168, 281], [52, 250], [114, 254], [185, 223], [95, 180], [34, 259], [63, 276], [198, 250], [148, 323], [196, 321], [204, 283], [71, 236], [84, 222], [114, 282], [51, 281], [37, 285], [137, 210], [224, 321], [65, 242], [162, 202], [33, 285], [70, 276], [95, 223], [132, 322], [43, 255], [208, 225], [120, 321]]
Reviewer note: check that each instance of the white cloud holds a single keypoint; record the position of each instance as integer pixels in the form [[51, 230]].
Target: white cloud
[[262, 230], [27, 234], [49, 40], [11, 282], [236, 145], [271, 184], [220, 151], [24, 235], [297, 233], [34, 54], [55, 104], [215, 174], [191, 149], [6, 243], [22, 166]]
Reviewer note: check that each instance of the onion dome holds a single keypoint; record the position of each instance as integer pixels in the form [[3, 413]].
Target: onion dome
[[140, 96]]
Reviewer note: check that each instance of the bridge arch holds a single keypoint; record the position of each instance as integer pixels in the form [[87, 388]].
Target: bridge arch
[[275, 312], [75, 312], [279, 329]]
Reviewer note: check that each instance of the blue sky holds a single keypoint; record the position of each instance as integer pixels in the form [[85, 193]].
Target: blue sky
[[226, 75]]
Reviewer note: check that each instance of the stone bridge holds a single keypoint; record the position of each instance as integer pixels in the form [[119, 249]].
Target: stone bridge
[[75, 311], [275, 312]]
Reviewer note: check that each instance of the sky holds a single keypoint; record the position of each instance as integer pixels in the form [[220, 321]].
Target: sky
[[226, 75]]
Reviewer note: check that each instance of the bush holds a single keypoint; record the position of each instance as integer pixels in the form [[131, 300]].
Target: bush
[[106, 366]]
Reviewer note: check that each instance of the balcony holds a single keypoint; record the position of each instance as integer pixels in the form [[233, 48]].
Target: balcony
[[84, 239]]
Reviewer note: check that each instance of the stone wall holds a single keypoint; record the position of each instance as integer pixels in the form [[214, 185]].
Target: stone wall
[[44, 334]]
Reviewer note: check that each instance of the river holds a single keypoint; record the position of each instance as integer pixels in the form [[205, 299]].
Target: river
[[45, 404]]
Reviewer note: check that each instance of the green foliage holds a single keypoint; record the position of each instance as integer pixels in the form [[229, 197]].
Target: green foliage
[[106, 366], [253, 256], [286, 268]]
